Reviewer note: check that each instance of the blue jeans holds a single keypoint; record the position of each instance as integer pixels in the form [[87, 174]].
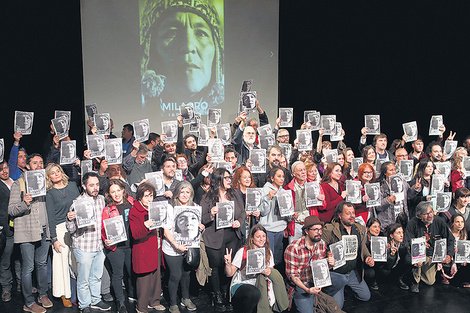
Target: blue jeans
[[303, 300], [89, 272], [339, 281], [275, 242], [34, 256]]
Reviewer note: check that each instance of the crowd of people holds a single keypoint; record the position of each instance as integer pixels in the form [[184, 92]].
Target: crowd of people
[[89, 269]]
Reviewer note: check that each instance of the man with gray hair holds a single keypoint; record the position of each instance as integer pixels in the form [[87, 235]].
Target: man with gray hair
[[273, 154], [136, 163], [244, 140], [425, 224]]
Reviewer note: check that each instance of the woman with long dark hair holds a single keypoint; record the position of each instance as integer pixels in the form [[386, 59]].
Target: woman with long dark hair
[[423, 174], [334, 191]]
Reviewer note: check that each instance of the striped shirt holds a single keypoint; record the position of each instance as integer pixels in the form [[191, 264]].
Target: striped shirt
[[87, 239]]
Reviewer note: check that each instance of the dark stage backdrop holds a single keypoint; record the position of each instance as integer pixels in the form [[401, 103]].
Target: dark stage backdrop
[[405, 61]]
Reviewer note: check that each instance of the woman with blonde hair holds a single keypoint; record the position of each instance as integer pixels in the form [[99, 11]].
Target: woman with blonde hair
[[59, 198]]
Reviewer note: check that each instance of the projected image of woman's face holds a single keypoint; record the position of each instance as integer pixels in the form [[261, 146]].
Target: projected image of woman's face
[[186, 48]]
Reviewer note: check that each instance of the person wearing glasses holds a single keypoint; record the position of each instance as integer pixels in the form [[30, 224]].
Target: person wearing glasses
[[366, 175]]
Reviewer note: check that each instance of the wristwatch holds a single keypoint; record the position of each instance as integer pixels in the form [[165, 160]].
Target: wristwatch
[[53, 240]]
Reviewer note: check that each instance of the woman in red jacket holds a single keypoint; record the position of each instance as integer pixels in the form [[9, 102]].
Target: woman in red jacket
[[333, 189], [146, 254]]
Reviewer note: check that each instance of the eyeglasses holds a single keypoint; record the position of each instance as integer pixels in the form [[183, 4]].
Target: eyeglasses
[[368, 173], [401, 155], [283, 136], [428, 213], [316, 230], [183, 161], [228, 178]]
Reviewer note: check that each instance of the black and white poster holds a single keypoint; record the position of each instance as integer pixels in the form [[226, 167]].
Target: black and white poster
[[418, 250], [337, 249], [187, 113], [449, 148], [255, 261], [253, 199], [214, 117], [350, 246], [96, 144], [378, 247], [158, 213], [156, 179], [397, 187], [60, 126], [320, 273], [338, 135], [179, 175], [68, 152], [440, 250], [287, 117], [24, 122], [36, 182], [204, 136], [194, 127], [85, 209], [285, 202], [443, 201], [258, 160], [226, 165], [286, 150], [373, 192], [314, 118], [266, 141], [91, 110], [225, 217], [444, 168], [66, 114], [437, 183], [328, 123], [248, 102], [224, 133], [353, 187], [372, 123], [115, 229], [378, 165], [355, 163], [186, 221], [312, 191], [86, 166], [102, 121], [462, 255], [466, 165], [411, 131], [406, 169], [141, 130], [265, 130], [2, 149], [434, 124], [331, 155], [170, 129], [114, 151], [216, 150], [304, 138]]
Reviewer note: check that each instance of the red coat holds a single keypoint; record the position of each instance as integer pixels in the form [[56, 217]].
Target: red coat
[[332, 199], [109, 212], [456, 180], [145, 252]]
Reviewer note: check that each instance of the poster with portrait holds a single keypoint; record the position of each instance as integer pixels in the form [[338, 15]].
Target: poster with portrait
[[312, 191], [466, 165], [224, 133], [216, 150], [24, 122], [86, 166], [437, 183], [287, 117], [397, 187], [286, 150], [170, 129], [350, 246], [60, 126], [114, 151], [179, 175], [66, 114], [96, 144], [255, 261], [186, 220], [265, 130], [372, 123], [225, 217], [353, 187], [418, 250], [285, 202], [440, 250], [337, 249], [85, 210], [372, 190], [304, 137], [338, 135], [253, 199], [320, 273], [158, 213], [194, 127], [187, 113], [314, 118], [226, 165], [328, 123], [266, 141], [378, 247], [2, 149], [214, 117], [35, 182], [115, 229], [410, 129], [258, 160], [331, 155], [156, 179], [141, 130], [434, 124], [204, 136], [355, 163], [443, 201], [406, 169], [444, 168], [102, 121], [91, 110], [68, 152], [247, 102], [462, 255], [449, 147]]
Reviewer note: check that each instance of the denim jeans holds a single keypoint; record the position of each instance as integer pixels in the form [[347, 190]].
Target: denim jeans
[[339, 281], [89, 272], [6, 278], [34, 256], [275, 241], [303, 300]]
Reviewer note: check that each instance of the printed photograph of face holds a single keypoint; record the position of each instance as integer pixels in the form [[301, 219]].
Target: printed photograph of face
[[223, 132], [113, 149], [248, 100], [203, 132], [411, 130], [187, 112], [379, 247], [463, 249], [2, 149], [418, 249], [258, 158], [406, 168], [255, 260], [217, 149], [396, 184], [253, 197], [305, 138], [214, 116], [338, 252], [286, 116], [436, 122], [91, 110], [314, 119], [102, 122], [159, 214], [187, 225], [354, 191], [24, 122], [96, 144], [440, 249], [321, 271], [67, 150], [373, 192], [225, 215], [60, 125], [328, 124], [170, 129], [373, 124], [115, 230], [285, 202], [443, 200], [85, 210], [141, 129], [437, 184], [157, 182], [36, 182], [86, 167], [449, 147]]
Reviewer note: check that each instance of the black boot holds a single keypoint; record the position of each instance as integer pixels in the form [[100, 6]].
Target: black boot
[[218, 302], [402, 284]]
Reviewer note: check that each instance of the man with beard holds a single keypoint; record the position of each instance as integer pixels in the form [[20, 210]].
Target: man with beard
[[417, 153], [244, 141], [434, 152], [196, 157], [273, 155], [350, 274], [298, 255], [168, 169], [136, 163], [379, 143]]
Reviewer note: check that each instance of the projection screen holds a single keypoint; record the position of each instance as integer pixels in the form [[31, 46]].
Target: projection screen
[[143, 59]]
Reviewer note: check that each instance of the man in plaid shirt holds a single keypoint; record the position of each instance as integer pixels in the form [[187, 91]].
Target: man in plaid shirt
[[88, 248], [298, 256]]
